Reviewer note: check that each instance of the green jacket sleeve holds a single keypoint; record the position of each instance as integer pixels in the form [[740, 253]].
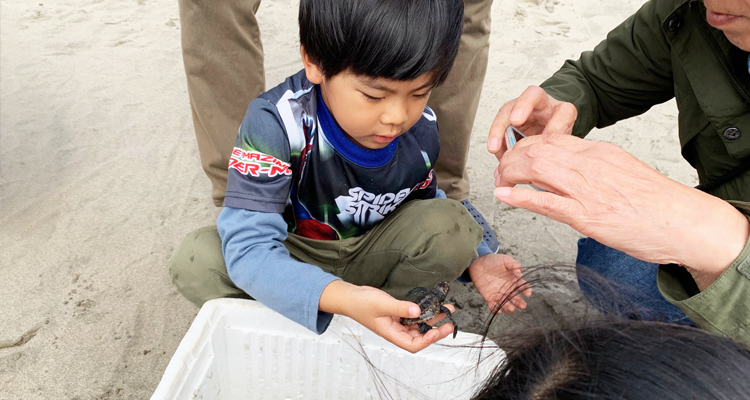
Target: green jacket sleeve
[[625, 75], [723, 307]]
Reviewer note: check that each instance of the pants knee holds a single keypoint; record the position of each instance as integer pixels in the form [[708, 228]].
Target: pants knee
[[197, 264], [455, 238]]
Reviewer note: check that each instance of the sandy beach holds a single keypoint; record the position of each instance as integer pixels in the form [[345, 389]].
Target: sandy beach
[[100, 177]]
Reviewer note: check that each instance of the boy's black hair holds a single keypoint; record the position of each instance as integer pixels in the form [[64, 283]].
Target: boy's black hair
[[393, 39]]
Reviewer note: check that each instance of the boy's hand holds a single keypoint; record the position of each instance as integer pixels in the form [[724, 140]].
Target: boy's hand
[[495, 275], [381, 313]]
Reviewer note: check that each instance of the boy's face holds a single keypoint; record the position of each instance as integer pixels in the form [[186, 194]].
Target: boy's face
[[372, 111]]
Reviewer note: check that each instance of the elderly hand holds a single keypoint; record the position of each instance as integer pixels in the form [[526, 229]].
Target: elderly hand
[[607, 194], [533, 113]]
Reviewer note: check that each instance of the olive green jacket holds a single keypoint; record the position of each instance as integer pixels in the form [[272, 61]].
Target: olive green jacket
[[667, 50]]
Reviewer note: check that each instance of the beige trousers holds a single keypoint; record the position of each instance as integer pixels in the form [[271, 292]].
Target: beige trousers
[[223, 58]]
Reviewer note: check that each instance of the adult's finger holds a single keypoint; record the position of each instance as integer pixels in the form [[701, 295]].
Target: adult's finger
[[546, 167], [558, 140], [495, 140], [532, 99], [516, 112], [553, 206], [562, 119], [550, 162]]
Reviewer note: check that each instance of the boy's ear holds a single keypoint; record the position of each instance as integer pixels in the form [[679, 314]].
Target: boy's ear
[[314, 74]]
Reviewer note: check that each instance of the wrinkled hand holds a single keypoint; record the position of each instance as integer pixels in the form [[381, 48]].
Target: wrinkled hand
[[534, 112], [381, 313], [605, 193], [498, 277]]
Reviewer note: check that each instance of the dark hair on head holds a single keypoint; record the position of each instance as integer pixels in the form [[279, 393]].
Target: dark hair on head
[[623, 360], [587, 355], [614, 356], [394, 39]]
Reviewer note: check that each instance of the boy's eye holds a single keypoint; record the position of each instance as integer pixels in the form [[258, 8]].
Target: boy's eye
[[371, 98], [422, 96]]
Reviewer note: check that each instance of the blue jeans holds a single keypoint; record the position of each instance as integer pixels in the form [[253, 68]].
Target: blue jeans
[[616, 283]]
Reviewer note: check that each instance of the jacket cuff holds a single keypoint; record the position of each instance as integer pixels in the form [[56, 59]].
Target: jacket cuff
[[723, 307]]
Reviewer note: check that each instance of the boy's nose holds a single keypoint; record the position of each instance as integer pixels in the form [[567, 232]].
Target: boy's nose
[[395, 115]]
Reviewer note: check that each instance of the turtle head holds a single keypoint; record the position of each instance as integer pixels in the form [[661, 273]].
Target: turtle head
[[443, 288]]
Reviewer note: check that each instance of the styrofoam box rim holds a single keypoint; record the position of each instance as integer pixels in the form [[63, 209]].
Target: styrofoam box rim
[[266, 346]]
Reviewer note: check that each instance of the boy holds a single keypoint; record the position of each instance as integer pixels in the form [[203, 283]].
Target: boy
[[331, 192]]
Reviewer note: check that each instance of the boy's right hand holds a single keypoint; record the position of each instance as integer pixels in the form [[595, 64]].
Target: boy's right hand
[[381, 313]]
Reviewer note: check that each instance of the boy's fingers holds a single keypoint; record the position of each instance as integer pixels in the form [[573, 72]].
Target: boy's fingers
[[413, 344], [512, 263], [403, 309], [445, 330], [432, 336], [521, 285], [441, 315], [438, 333], [518, 301], [417, 341]]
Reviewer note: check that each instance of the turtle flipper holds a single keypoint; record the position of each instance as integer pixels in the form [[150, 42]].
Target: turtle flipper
[[424, 328], [444, 309]]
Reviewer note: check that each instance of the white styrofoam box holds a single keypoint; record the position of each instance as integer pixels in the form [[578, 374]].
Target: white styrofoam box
[[240, 349]]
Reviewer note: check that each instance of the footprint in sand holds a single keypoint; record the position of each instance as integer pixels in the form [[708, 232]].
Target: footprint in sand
[[547, 22]]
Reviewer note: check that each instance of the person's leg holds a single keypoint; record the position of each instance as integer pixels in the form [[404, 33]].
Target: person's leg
[[615, 282], [199, 272], [455, 102], [424, 243], [198, 269], [223, 58]]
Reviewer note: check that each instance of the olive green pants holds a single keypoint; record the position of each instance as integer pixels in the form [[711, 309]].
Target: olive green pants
[[223, 57], [422, 243]]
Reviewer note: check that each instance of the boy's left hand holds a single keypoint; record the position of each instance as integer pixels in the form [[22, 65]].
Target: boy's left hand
[[495, 277]]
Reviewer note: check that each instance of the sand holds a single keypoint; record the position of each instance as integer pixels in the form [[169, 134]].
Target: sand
[[100, 176]]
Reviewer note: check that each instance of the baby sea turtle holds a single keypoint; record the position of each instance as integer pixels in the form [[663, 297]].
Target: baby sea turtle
[[430, 301]]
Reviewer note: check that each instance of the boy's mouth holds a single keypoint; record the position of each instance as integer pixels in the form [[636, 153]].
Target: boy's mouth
[[384, 139]]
